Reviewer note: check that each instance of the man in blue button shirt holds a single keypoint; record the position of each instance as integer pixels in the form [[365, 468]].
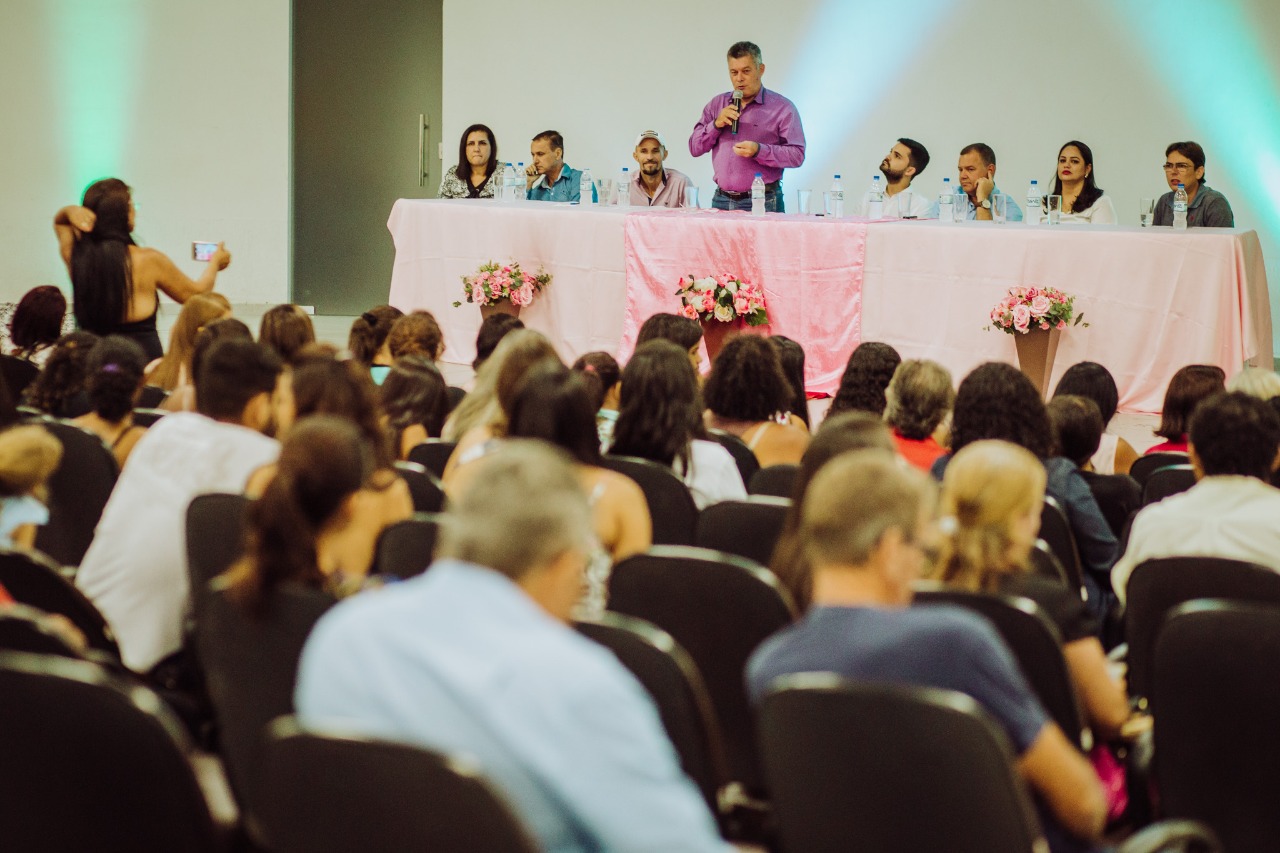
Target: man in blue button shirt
[[977, 168], [548, 177]]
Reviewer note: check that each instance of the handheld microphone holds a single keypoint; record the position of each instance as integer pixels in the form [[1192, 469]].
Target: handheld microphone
[[737, 105]]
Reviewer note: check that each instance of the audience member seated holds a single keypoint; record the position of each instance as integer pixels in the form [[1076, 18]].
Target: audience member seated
[[661, 420], [1256, 382], [173, 371], [997, 401], [36, 324], [367, 341], [836, 435], [864, 529], [492, 330], [866, 376], [59, 389], [1188, 387], [1090, 379], [286, 329], [113, 382], [417, 333], [991, 499], [604, 380], [791, 354], [474, 657], [1077, 432], [135, 571], [28, 457], [748, 395], [477, 174], [681, 331], [183, 398], [918, 402], [414, 401], [1232, 511]]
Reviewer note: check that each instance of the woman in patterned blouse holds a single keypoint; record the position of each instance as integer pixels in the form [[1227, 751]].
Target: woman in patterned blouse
[[477, 174]]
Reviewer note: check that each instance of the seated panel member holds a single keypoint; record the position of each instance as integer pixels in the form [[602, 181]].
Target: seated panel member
[[654, 185], [1083, 201], [907, 159], [549, 177], [1206, 208], [477, 174], [977, 169]]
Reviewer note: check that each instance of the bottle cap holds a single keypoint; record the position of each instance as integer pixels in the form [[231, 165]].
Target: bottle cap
[[1181, 185], [837, 177], [759, 175], [1034, 183]]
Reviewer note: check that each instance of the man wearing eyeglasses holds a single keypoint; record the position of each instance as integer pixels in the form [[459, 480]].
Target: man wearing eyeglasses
[[1206, 208]]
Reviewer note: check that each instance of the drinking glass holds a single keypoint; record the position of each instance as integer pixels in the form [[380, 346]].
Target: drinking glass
[[827, 206], [691, 197], [604, 191], [1055, 209], [999, 207], [803, 200], [1147, 212], [904, 205]]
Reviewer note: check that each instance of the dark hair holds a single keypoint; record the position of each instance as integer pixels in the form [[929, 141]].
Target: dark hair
[[323, 461], [739, 49], [492, 330], [747, 382], [114, 374], [553, 404], [1236, 433], [463, 171], [671, 327], [1092, 380], [286, 329], [414, 392], [867, 374], [601, 372], [1077, 427], [222, 329], [983, 150], [326, 386], [660, 413], [997, 400], [417, 333], [63, 375], [1187, 388], [1192, 151], [553, 138], [1090, 192], [8, 410], [101, 272], [919, 155], [791, 355], [37, 319], [369, 331], [230, 374]]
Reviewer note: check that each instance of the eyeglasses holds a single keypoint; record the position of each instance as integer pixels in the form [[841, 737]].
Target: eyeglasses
[[1180, 168]]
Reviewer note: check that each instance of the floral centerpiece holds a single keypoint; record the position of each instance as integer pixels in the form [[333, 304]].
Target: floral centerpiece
[[722, 297], [1027, 308], [493, 285]]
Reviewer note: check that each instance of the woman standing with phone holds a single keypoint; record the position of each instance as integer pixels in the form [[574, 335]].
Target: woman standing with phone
[[115, 284]]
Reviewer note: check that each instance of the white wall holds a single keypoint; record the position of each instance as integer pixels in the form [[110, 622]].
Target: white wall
[[186, 101]]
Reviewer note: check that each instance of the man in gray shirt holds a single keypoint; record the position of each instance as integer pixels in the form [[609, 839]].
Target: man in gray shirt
[[1206, 208]]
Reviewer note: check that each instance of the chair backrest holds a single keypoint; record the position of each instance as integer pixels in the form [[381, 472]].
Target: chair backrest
[[425, 488], [671, 506], [747, 528], [1055, 530], [151, 397], [26, 629], [1045, 564], [1158, 586], [1218, 701], [433, 454], [78, 492], [405, 548], [1118, 497], [36, 582], [147, 417], [455, 395], [1035, 643], [333, 794], [900, 769], [719, 608], [92, 762], [776, 480], [742, 455], [18, 373], [251, 666], [1143, 466], [215, 539], [1166, 481]]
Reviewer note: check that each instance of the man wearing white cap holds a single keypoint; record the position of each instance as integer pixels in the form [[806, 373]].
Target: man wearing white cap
[[654, 185]]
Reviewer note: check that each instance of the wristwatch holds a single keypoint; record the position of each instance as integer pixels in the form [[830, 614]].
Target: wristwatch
[[985, 204]]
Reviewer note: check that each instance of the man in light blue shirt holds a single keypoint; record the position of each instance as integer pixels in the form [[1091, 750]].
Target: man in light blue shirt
[[475, 657], [977, 169], [548, 177]]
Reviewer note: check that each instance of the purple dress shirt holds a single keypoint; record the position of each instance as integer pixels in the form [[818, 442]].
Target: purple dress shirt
[[770, 120]]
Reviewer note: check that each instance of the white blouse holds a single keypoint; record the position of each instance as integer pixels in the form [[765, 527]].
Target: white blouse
[[1101, 212]]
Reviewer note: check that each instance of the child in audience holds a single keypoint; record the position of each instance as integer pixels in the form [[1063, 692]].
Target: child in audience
[[114, 379], [28, 457], [37, 324], [415, 402], [604, 380], [286, 329], [748, 395], [866, 376], [1188, 387], [59, 389], [1090, 379]]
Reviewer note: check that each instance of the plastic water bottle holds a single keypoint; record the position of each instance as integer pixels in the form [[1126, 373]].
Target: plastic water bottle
[[585, 185], [624, 188], [837, 198], [875, 198], [1180, 207], [508, 180], [961, 204], [757, 195], [946, 202], [1032, 214]]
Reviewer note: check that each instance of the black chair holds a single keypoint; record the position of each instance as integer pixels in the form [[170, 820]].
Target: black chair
[[26, 629], [671, 506], [455, 395], [1034, 641], [78, 492], [93, 762], [1045, 564], [672, 679], [147, 417], [1166, 481], [405, 548], [747, 528], [332, 794], [1055, 530], [742, 455], [719, 608], [151, 397], [36, 582], [776, 480], [425, 487], [215, 539], [1143, 466], [433, 454], [1158, 586], [251, 666], [1118, 496], [17, 373]]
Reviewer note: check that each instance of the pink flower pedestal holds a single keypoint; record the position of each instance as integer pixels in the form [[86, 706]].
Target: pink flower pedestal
[[716, 332], [1036, 350], [502, 306]]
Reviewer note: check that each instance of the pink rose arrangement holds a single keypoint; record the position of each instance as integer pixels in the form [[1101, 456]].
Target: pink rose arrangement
[[493, 283], [722, 297], [1027, 308]]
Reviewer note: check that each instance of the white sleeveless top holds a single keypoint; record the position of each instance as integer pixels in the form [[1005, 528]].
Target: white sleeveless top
[[1104, 461]]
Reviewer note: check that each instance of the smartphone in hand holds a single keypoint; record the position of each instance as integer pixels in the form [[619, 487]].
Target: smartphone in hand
[[202, 251]]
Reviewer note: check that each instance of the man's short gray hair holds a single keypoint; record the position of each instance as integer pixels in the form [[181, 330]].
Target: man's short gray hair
[[745, 48]]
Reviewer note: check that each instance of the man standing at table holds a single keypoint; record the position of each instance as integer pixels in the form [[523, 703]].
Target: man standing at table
[[548, 177], [907, 159], [654, 185], [1206, 208], [977, 169], [763, 136]]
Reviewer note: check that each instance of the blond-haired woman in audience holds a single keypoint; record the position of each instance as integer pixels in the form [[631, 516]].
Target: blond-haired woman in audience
[[174, 369], [28, 457], [992, 494]]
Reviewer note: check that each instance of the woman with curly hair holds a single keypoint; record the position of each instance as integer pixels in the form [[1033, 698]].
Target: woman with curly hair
[[37, 323], [866, 376], [113, 379], [59, 389], [748, 395]]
